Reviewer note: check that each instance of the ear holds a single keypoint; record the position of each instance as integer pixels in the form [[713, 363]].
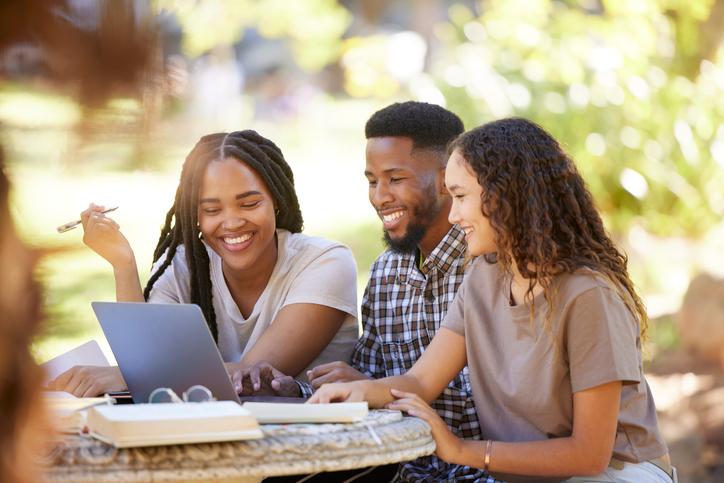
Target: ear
[[440, 181]]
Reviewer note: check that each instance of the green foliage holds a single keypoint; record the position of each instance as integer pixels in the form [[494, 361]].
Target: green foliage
[[313, 27], [614, 86]]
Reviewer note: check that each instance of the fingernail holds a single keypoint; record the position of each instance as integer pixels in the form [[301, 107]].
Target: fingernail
[[256, 386]]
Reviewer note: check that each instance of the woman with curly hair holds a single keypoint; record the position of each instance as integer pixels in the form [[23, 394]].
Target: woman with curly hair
[[547, 320]]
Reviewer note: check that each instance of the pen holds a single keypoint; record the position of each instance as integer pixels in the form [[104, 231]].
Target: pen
[[72, 224]]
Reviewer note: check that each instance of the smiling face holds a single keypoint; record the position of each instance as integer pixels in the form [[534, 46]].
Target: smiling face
[[236, 215], [466, 210], [405, 190]]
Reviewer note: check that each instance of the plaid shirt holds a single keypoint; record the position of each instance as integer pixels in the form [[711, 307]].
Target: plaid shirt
[[402, 309]]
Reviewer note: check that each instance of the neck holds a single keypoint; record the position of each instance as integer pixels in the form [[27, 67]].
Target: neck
[[436, 231], [518, 279], [255, 278], [519, 285]]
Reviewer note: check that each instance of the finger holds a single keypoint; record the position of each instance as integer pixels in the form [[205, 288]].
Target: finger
[[104, 226], [285, 386], [247, 388], [276, 373], [403, 406], [411, 409], [321, 370], [90, 223], [92, 390], [402, 394], [106, 222], [61, 382], [83, 387], [254, 377], [236, 381], [92, 208], [73, 384], [320, 397], [332, 376]]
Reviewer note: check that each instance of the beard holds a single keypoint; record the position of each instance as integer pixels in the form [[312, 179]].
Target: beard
[[408, 243], [422, 217]]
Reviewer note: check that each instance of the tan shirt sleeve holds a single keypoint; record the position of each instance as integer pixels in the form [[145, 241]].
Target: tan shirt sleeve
[[329, 280], [455, 317], [601, 340]]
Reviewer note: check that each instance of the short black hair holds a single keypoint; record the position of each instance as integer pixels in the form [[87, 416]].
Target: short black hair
[[428, 125]]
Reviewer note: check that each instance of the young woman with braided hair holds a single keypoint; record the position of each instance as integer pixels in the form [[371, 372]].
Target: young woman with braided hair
[[231, 243], [547, 321]]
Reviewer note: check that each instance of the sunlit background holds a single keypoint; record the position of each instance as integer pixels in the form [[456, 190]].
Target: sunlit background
[[633, 88]]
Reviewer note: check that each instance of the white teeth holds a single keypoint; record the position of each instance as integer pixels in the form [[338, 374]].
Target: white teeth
[[237, 240], [392, 216]]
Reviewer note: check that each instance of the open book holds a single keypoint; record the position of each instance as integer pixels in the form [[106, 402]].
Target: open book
[[288, 413], [130, 425]]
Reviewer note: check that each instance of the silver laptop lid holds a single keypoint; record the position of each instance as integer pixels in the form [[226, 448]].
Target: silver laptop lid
[[163, 345]]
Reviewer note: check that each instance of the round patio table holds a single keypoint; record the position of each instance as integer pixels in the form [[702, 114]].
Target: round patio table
[[384, 437]]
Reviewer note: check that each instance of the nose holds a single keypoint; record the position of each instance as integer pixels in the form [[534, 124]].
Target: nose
[[233, 221], [380, 194], [453, 217]]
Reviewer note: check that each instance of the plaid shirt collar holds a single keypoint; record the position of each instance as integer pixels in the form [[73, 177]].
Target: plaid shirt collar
[[441, 259]]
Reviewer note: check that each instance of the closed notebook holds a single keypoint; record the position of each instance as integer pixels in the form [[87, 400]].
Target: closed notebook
[[130, 425], [289, 413]]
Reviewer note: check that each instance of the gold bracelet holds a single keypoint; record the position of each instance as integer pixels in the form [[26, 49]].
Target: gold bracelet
[[488, 451]]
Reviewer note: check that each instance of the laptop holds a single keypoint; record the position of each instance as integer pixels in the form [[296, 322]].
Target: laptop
[[163, 345]]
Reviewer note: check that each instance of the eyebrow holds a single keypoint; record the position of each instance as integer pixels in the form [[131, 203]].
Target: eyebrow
[[387, 171], [240, 196], [453, 187]]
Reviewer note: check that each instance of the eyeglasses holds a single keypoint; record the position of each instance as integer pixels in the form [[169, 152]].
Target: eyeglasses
[[196, 394]]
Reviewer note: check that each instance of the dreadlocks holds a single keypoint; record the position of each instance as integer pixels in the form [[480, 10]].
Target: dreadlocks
[[181, 223], [540, 209]]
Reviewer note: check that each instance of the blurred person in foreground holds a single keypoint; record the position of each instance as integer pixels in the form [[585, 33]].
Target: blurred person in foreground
[[547, 320], [22, 418]]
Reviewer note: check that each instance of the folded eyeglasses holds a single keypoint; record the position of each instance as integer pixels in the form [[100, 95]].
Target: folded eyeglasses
[[197, 393]]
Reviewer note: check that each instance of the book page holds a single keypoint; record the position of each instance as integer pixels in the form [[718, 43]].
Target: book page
[[88, 354]]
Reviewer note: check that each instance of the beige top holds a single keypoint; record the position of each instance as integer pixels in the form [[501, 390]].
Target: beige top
[[523, 391], [309, 270]]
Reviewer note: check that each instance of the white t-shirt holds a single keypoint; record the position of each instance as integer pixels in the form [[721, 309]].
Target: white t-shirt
[[309, 270]]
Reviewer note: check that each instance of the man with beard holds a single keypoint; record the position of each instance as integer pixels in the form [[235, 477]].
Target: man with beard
[[413, 282]]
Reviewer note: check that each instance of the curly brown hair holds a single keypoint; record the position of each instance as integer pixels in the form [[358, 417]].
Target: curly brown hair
[[541, 212]]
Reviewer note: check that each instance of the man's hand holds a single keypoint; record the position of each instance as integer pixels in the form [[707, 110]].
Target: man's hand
[[337, 371], [262, 379], [89, 381]]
